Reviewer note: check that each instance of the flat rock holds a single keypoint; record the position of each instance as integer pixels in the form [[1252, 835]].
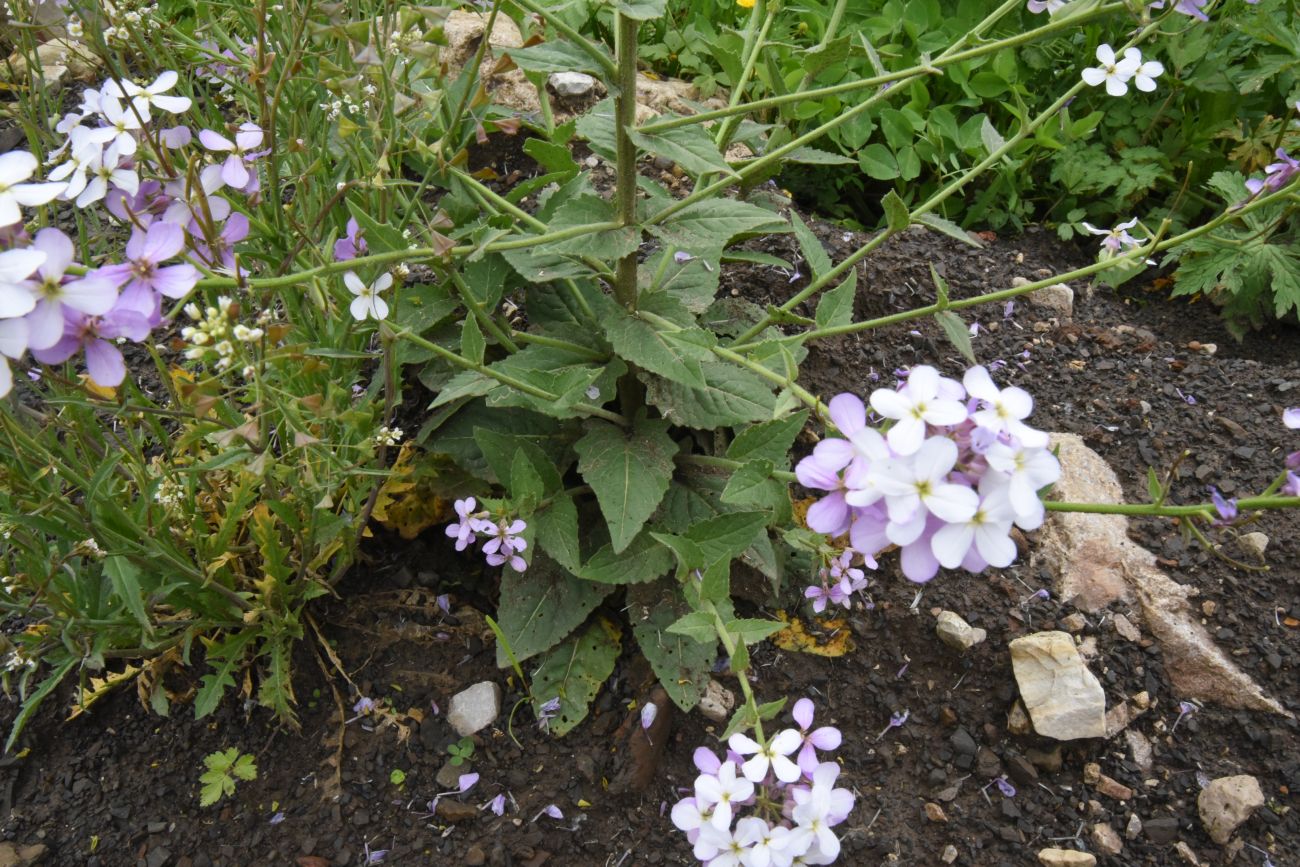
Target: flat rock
[[1064, 699], [474, 709], [1096, 564], [956, 632], [1140, 747], [13, 855], [1254, 544], [717, 702], [1066, 858], [949, 854], [572, 84], [1161, 830], [1105, 839], [1227, 802]]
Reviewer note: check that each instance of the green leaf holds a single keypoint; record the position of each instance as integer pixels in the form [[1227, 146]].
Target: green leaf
[[811, 247], [770, 440], [681, 663], [691, 147], [554, 57], [730, 396], [744, 718], [502, 449], [878, 162], [642, 10], [472, 344], [949, 228], [957, 333], [674, 355], [727, 535], [835, 307], [541, 606], [641, 562], [526, 486], [688, 554], [380, 237], [1154, 488], [752, 631], [897, 215], [715, 582], [557, 532], [225, 657], [714, 222], [940, 286], [553, 158], [574, 671], [752, 485], [598, 128], [628, 471], [244, 768], [992, 139], [609, 245], [214, 787], [813, 157], [697, 626], [125, 578]]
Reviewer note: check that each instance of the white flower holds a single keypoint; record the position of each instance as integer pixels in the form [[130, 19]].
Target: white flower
[[720, 791], [1144, 74], [16, 295], [144, 97], [913, 406], [1028, 470], [16, 167], [776, 754], [1004, 409], [104, 169], [1115, 239], [83, 152], [367, 303], [122, 123], [989, 530], [922, 480], [1115, 73]]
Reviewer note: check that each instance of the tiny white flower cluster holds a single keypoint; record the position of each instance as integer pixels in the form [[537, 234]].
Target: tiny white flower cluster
[[214, 332], [127, 19], [16, 659], [388, 436]]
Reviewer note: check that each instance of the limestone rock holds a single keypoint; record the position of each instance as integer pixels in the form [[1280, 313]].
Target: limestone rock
[[1018, 721], [1227, 802], [1105, 839], [1187, 853], [935, 813], [475, 708], [1066, 858], [717, 702], [956, 632], [1057, 299], [1254, 544], [949, 855], [1126, 629], [1140, 747], [1134, 826], [573, 85], [13, 855], [1063, 698], [1096, 564]]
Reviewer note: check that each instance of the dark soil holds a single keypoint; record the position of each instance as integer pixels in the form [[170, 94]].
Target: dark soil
[[119, 786]]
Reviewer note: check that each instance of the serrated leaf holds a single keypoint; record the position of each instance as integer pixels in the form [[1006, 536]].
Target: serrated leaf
[[770, 440], [574, 671], [501, 449], [835, 308], [541, 606], [949, 228], [526, 486], [727, 535], [553, 158], [957, 333], [553, 57], [714, 222], [897, 215], [629, 471], [608, 245], [557, 532], [224, 657], [641, 562], [674, 355], [748, 484], [690, 147], [682, 664], [811, 247], [730, 396], [752, 630], [697, 626]]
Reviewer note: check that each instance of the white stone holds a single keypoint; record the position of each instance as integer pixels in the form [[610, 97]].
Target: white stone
[[1254, 544], [1227, 802], [1096, 564], [1057, 299], [1105, 840], [1064, 699], [956, 632], [1134, 826], [1066, 858], [717, 702], [572, 84], [1140, 747], [1126, 629], [475, 708], [949, 854]]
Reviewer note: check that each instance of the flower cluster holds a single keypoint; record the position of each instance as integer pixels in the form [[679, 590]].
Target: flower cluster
[[1116, 73], [504, 542], [840, 579], [794, 802], [956, 469], [1291, 488], [215, 333]]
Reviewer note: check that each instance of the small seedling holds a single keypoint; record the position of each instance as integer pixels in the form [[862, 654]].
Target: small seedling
[[397, 777], [224, 769], [461, 751]]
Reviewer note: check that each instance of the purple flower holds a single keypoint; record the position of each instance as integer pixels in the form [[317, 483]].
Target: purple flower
[[466, 782], [823, 738], [142, 277], [895, 720], [233, 172], [505, 544], [546, 712], [95, 335], [649, 711], [1227, 509], [45, 324], [1276, 175], [352, 244], [277, 818], [220, 254], [470, 524], [1292, 486], [549, 810], [1187, 7], [1005, 787], [364, 706], [498, 804]]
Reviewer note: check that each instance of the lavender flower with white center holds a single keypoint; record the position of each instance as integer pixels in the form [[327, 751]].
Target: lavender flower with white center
[[546, 712], [142, 98], [15, 168], [84, 153], [922, 481], [1113, 72], [1227, 509], [1049, 6], [913, 407], [497, 805], [822, 738], [505, 544], [352, 244], [105, 173], [721, 791], [143, 277], [987, 534], [232, 171], [1190, 7], [368, 304], [471, 523], [94, 298], [1028, 470], [96, 335]]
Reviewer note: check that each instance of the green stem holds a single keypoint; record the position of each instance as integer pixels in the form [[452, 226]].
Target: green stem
[[755, 37], [729, 645], [832, 27], [934, 66], [484, 319], [624, 122], [1163, 511], [722, 463]]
